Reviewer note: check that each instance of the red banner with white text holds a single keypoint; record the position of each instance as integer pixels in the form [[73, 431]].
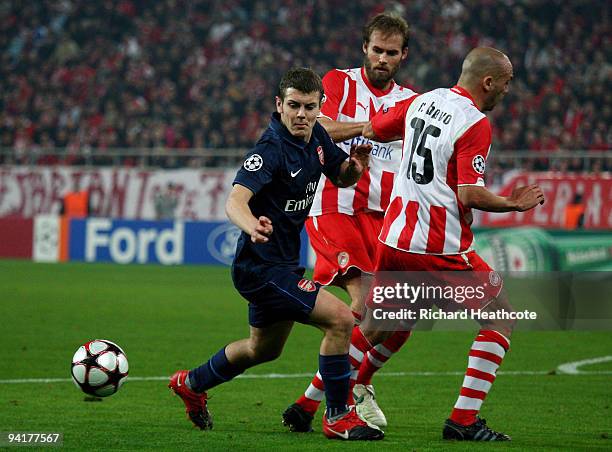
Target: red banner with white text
[[115, 192], [595, 194]]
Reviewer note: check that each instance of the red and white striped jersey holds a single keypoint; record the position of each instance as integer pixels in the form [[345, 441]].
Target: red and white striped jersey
[[350, 97], [446, 144]]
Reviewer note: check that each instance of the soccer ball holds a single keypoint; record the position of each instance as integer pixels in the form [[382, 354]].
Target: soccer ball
[[99, 367]]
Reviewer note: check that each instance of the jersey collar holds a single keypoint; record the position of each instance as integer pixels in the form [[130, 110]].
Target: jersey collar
[[280, 128], [377, 92], [463, 92]]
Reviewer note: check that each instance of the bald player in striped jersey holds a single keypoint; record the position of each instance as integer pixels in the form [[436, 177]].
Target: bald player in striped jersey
[[447, 139]]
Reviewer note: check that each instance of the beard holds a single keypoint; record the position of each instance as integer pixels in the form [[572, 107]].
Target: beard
[[490, 102], [379, 79]]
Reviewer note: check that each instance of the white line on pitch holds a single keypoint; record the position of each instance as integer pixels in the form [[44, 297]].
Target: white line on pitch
[[572, 368], [560, 369]]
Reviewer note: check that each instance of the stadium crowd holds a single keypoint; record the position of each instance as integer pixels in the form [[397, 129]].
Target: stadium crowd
[[196, 74]]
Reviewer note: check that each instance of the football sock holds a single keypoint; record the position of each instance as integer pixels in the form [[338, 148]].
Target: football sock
[[485, 357], [315, 392], [357, 351], [313, 396], [215, 371], [335, 372], [377, 356]]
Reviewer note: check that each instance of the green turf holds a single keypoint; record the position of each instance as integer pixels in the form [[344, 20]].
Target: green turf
[[175, 317]]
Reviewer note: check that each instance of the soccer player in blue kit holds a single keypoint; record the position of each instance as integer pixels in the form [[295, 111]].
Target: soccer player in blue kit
[[269, 202]]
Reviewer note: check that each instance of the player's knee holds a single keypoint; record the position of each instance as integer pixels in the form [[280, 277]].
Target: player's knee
[[343, 323]]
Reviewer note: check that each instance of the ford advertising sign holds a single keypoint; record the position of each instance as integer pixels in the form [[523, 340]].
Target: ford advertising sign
[[156, 242]]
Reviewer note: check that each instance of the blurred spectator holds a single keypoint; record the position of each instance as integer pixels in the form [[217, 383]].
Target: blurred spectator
[[574, 213], [181, 74], [166, 201], [76, 204]]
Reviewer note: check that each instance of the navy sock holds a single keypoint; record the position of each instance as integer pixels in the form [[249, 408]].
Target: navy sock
[[335, 372], [215, 371]]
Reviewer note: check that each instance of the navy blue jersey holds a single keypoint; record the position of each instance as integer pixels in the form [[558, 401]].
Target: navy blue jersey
[[283, 172]]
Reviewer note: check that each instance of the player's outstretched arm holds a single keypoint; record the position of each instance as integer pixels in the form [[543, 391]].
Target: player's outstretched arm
[[238, 211], [368, 132], [521, 199], [340, 131], [352, 169]]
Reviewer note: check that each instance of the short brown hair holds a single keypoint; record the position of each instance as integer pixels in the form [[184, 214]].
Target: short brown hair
[[303, 79], [387, 24]]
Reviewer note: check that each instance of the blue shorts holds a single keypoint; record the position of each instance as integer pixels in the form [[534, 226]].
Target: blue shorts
[[289, 296]]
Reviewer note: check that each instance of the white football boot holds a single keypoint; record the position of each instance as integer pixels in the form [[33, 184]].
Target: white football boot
[[366, 406]]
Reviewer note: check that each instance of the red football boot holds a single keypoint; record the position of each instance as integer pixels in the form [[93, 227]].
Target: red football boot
[[195, 403], [351, 427]]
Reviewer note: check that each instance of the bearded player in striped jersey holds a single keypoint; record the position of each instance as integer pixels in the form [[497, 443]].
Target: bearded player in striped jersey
[[447, 139], [344, 223]]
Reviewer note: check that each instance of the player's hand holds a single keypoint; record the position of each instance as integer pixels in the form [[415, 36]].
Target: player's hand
[[525, 198], [368, 131], [359, 157], [263, 229]]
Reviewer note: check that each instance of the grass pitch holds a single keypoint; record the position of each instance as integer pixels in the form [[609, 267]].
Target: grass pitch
[[168, 318]]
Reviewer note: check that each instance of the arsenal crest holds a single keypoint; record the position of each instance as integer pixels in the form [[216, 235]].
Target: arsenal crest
[[307, 285], [321, 155]]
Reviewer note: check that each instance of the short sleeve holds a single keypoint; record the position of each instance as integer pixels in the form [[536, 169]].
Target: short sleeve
[[333, 85], [472, 150], [259, 166], [333, 156], [389, 122]]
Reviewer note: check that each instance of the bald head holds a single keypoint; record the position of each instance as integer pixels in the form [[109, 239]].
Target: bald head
[[483, 61], [486, 73]]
